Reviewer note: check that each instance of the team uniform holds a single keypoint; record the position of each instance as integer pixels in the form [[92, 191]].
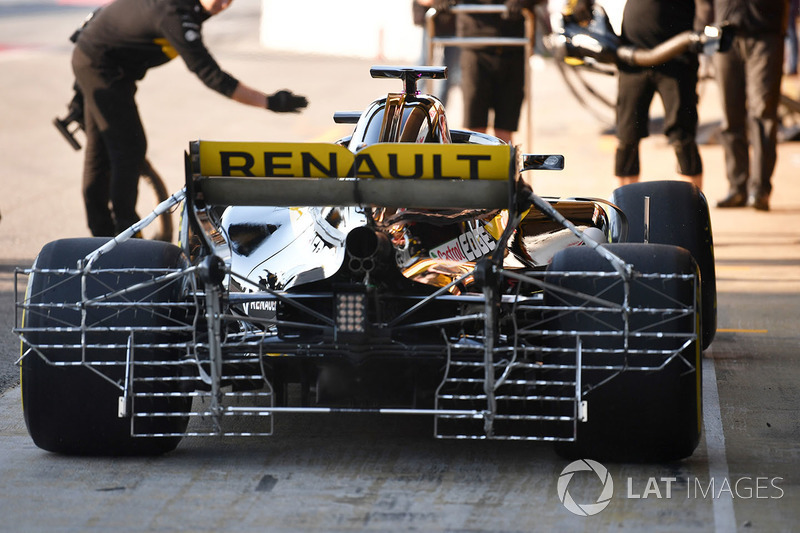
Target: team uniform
[[114, 51], [646, 24], [492, 77], [749, 76]]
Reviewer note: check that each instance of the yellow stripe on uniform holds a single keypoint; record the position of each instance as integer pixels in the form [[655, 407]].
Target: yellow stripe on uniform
[[166, 48]]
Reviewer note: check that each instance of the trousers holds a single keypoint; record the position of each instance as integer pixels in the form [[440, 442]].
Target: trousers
[[115, 146], [749, 76]]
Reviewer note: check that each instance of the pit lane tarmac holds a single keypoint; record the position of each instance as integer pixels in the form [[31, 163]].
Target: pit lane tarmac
[[365, 472]]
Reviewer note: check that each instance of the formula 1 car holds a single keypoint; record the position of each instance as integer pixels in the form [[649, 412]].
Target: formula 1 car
[[403, 270]]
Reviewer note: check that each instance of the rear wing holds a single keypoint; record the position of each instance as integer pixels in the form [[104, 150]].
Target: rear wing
[[429, 176]]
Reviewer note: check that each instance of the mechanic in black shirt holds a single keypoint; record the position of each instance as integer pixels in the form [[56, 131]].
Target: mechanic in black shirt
[[645, 24], [492, 78], [113, 51]]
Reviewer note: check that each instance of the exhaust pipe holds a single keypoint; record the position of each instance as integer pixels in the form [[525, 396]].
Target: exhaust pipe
[[366, 248]]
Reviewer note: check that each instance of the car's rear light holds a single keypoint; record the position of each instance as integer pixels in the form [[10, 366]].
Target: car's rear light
[[350, 312]]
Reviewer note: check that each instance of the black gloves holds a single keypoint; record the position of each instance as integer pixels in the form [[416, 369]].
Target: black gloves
[[286, 102], [515, 7]]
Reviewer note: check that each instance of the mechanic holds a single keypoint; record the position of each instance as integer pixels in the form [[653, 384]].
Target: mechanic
[[792, 46], [749, 77], [492, 77], [646, 24], [444, 26], [113, 51]]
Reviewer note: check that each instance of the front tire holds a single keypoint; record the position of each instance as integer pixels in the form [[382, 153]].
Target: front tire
[[679, 217]]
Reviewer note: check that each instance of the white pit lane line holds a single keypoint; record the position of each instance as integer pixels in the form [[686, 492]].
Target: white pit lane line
[[724, 515]]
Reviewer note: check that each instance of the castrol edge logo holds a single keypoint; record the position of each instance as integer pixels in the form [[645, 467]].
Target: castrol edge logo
[[468, 246]]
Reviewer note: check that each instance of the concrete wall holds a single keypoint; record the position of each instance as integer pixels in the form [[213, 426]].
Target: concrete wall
[[374, 29]]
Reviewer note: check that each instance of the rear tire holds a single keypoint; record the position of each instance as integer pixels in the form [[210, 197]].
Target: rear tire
[[637, 415], [73, 409], [680, 217]]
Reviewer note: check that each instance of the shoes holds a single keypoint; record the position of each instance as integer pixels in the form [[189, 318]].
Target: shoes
[[759, 202], [734, 199]]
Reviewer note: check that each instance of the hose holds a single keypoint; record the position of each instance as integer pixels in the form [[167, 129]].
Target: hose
[[662, 53]]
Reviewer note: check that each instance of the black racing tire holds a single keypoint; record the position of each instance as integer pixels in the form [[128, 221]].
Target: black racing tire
[[679, 216], [635, 415], [72, 409]]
